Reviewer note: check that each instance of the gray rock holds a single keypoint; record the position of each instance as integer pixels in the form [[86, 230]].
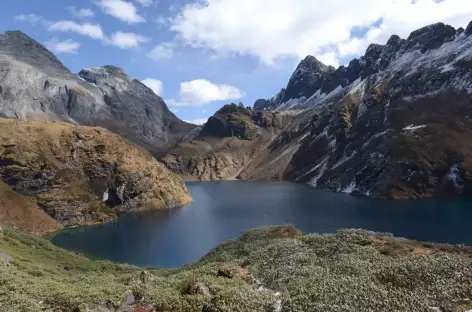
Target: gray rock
[[312, 76], [146, 277], [197, 288], [5, 259], [128, 302], [394, 123], [34, 84]]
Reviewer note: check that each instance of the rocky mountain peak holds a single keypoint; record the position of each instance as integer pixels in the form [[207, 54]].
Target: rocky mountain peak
[[36, 85], [468, 30], [307, 76], [312, 63], [430, 37], [314, 83], [20, 46], [109, 76], [114, 69], [394, 40]]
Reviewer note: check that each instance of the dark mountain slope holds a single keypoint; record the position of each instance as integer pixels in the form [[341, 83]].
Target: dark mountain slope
[[229, 142], [395, 123]]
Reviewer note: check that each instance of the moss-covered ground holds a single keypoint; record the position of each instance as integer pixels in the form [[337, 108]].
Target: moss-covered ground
[[267, 269]]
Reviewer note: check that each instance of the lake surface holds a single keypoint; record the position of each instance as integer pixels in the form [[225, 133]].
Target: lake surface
[[223, 210]]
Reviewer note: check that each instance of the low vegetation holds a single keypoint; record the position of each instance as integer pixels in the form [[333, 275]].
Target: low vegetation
[[266, 269]]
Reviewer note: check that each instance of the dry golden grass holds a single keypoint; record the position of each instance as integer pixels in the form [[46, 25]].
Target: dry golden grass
[[24, 213], [82, 163]]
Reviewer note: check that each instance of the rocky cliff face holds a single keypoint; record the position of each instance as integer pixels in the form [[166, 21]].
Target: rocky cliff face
[[313, 83], [229, 142], [394, 123], [83, 175], [34, 84]]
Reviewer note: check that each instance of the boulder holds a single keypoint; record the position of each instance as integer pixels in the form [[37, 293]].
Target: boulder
[[234, 271], [197, 288], [146, 277], [5, 259], [128, 303]]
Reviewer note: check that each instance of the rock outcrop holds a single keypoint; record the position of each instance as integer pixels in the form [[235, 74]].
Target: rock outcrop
[[394, 123], [34, 84], [82, 175], [228, 143], [314, 83]]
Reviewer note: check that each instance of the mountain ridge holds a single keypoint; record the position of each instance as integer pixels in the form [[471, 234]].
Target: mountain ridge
[[392, 124], [34, 84], [376, 58]]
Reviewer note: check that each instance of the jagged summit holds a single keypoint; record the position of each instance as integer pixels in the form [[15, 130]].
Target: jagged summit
[[312, 81], [394, 40], [104, 70], [393, 123], [430, 37], [468, 30], [312, 63]]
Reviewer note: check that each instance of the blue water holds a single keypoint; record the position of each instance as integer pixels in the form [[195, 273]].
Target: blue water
[[223, 210]]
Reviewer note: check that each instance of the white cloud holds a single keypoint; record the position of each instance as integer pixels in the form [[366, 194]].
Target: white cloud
[[82, 13], [200, 92], [90, 30], [161, 51], [126, 40], [162, 21], [65, 46], [200, 121], [270, 29], [154, 84], [33, 19], [123, 40], [122, 10], [145, 3]]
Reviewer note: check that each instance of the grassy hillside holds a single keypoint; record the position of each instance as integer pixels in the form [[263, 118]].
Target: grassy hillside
[[24, 213], [267, 269], [83, 175]]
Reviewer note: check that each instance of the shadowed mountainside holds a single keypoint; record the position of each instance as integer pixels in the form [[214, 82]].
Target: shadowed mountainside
[[228, 143], [394, 123]]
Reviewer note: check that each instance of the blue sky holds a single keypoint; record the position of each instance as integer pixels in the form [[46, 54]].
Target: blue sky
[[202, 54]]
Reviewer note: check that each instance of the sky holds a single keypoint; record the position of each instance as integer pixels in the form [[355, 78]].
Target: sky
[[201, 54]]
